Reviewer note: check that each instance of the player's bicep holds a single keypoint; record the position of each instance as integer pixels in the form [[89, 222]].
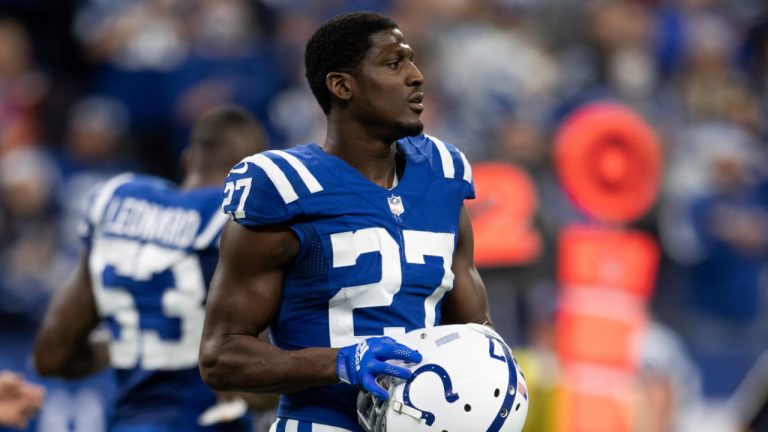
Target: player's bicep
[[467, 302], [246, 287]]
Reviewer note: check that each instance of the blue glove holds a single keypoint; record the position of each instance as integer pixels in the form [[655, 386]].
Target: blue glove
[[359, 364]]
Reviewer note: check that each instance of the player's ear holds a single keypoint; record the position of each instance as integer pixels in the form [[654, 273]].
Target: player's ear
[[339, 84]]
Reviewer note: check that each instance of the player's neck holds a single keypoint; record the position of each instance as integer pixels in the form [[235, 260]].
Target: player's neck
[[373, 158], [200, 180]]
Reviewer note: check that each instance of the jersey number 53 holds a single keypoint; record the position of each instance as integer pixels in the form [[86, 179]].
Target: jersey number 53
[[155, 296]]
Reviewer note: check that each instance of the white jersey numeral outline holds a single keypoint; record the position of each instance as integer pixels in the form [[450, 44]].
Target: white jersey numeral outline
[[229, 191], [184, 300], [347, 247]]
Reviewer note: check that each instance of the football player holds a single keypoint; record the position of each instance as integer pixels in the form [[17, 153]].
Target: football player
[[150, 251], [339, 245]]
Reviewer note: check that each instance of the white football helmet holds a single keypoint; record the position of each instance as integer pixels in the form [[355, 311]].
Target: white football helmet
[[467, 381]]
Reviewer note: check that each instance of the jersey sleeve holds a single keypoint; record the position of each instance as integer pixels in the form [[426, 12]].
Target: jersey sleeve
[[452, 164], [259, 192]]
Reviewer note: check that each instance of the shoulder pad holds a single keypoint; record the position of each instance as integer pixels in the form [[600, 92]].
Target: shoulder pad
[[452, 161], [265, 188], [99, 198]]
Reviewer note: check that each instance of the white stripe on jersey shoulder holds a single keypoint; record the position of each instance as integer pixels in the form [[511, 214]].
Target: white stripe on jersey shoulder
[[105, 193], [312, 184], [278, 177], [291, 425], [449, 170], [467, 167], [211, 231], [445, 156]]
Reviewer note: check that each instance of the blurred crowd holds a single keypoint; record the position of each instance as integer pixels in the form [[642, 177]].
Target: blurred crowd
[[90, 88]]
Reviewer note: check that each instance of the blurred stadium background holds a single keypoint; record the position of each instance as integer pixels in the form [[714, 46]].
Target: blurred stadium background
[[89, 88]]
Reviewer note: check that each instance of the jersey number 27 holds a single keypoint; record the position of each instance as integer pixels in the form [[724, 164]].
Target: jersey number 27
[[347, 248]]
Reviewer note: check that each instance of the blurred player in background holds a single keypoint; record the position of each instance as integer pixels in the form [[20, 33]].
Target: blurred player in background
[[335, 247], [151, 248]]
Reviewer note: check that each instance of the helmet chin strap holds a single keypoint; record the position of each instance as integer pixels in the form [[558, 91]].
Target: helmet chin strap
[[402, 408]]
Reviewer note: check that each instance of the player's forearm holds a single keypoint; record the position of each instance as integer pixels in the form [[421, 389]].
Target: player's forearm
[[245, 363], [86, 359], [93, 358], [65, 345]]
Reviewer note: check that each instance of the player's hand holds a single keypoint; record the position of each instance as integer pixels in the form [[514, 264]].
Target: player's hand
[[360, 364], [19, 400]]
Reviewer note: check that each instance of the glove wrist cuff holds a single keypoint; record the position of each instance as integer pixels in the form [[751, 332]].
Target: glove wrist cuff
[[342, 371]]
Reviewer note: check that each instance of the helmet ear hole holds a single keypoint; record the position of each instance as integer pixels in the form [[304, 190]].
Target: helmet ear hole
[[496, 393], [467, 407]]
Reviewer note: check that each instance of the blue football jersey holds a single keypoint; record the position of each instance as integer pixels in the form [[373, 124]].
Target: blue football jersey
[[373, 261], [152, 251]]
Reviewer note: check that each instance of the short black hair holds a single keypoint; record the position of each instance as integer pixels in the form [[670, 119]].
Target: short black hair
[[223, 136], [339, 45]]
